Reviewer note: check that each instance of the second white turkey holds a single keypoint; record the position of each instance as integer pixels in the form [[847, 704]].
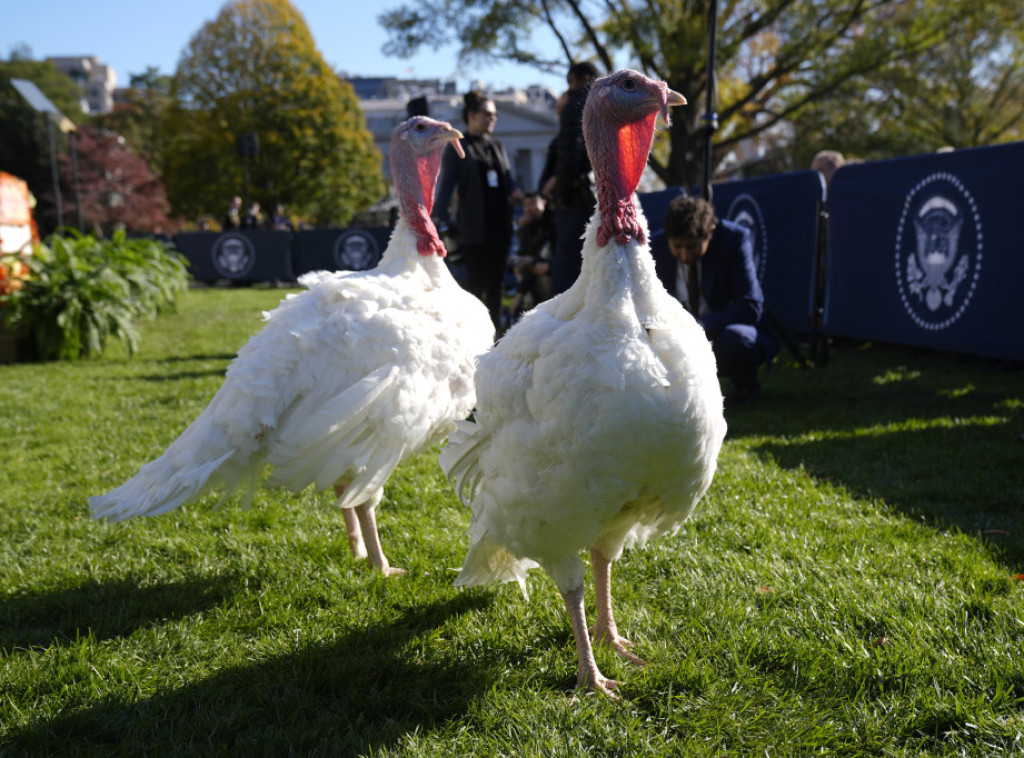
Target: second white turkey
[[346, 380]]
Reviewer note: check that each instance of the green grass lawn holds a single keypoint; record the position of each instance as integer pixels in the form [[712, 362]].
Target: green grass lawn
[[849, 586]]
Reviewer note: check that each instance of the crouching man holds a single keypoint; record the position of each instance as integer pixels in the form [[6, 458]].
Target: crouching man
[[708, 265]]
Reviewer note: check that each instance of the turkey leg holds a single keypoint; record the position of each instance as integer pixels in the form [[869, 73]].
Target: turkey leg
[[587, 674], [605, 631], [368, 524], [355, 532]]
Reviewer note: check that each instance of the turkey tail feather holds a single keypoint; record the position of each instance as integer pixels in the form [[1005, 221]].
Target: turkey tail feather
[[160, 486], [460, 462], [219, 450]]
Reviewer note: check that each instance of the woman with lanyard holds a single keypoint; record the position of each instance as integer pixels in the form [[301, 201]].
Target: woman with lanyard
[[486, 193]]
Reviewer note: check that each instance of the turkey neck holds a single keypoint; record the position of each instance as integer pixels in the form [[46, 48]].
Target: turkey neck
[[415, 178], [618, 157]]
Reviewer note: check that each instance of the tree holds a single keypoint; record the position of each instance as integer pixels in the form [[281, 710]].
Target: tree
[[964, 92], [255, 70], [116, 186], [774, 57], [139, 114], [24, 140]]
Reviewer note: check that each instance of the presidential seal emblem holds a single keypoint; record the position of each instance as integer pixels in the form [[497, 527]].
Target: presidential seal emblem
[[746, 211], [356, 250], [938, 251], [233, 255]]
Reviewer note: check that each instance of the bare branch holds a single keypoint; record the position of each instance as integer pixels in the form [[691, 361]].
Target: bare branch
[[591, 33], [549, 19]]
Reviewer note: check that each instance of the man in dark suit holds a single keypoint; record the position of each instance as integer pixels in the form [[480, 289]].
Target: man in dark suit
[[708, 265]]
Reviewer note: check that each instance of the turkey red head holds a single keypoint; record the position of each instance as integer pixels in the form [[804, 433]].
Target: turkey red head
[[618, 127], [416, 146]]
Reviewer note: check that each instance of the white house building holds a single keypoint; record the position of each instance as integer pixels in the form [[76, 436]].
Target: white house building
[[526, 118]]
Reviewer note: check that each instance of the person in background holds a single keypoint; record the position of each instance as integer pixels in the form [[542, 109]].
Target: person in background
[[253, 218], [570, 190], [232, 217], [532, 264], [160, 234], [827, 162], [708, 265], [546, 185], [279, 222], [486, 192]]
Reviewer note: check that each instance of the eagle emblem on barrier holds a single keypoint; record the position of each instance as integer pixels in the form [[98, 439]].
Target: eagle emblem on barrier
[[356, 250], [937, 228], [233, 255], [746, 211], [938, 257]]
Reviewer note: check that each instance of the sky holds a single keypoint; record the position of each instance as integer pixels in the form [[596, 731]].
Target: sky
[[131, 35]]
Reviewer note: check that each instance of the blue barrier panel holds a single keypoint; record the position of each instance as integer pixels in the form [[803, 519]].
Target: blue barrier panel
[[926, 251], [242, 255], [355, 249], [782, 213]]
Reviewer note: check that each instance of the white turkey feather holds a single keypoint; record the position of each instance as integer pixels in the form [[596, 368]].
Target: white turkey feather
[[345, 379], [598, 423]]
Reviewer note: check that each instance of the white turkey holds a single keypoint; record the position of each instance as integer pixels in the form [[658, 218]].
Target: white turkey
[[599, 414], [347, 379]]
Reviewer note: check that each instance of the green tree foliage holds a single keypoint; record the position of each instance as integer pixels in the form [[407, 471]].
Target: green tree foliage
[[139, 114], [966, 91], [24, 142], [255, 69], [774, 57]]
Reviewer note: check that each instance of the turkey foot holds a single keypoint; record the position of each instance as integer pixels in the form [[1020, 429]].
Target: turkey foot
[[605, 631], [599, 684], [368, 524], [618, 644], [588, 677], [361, 523]]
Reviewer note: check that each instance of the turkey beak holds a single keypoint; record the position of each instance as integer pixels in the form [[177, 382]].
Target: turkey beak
[[454, 135], [671, 98]]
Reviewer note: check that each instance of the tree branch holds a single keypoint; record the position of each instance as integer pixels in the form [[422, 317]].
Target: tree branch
[[556, 31], [591, 35]]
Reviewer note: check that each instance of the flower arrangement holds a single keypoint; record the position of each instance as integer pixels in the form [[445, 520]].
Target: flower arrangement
[[13, 272]]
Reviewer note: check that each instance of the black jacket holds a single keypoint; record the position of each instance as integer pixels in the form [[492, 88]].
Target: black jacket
[[464, 175]]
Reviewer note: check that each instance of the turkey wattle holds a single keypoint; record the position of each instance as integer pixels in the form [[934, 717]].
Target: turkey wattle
[[345, 380]]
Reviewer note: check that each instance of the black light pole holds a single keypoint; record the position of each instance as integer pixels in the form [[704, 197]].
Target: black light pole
[[248, 145], [710, 117], [41, 104], [72, 138], [56, 173]]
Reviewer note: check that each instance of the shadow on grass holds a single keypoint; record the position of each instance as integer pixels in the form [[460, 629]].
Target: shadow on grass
[[364, 691], [179, 375], [104, 610], [173, 376], [883, 386], [966, 477], [200, 357], [935, 435]]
